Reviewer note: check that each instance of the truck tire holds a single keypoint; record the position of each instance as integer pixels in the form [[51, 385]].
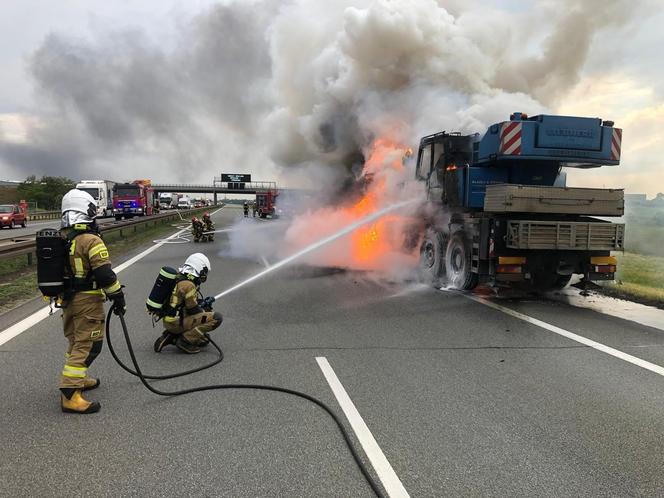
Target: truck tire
[[24, 223], [562, 281], [118, 217], [544, 282], [458, 266], [431, 268]]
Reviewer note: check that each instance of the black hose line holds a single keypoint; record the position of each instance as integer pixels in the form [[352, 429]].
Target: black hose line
[[160, 377], [365, 472]]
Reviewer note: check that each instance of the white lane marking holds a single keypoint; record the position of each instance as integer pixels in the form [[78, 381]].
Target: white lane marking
[[571, 335], [386, 474], [20, 327]]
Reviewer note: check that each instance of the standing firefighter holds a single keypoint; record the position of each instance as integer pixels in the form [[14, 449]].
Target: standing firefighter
[[89, 280], [208, 226], [187, 319], [246, 209], [196, 229]]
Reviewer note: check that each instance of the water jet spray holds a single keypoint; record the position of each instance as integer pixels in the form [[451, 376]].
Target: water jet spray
[[317, 245]]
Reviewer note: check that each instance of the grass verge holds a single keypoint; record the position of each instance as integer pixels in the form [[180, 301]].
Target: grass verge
[[639, 278], [18, 280]]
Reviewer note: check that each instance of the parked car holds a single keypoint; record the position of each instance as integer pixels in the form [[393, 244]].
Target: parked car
[[11, 215]]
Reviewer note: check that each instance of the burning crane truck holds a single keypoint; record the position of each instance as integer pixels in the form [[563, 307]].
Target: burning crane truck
[[498, 210]]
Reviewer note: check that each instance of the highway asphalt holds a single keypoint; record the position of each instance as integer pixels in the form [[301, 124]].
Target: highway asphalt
[[463, 399], [31, 229]]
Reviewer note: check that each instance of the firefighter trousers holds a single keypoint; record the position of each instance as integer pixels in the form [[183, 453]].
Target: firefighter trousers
[[83, 323], [194, 327]]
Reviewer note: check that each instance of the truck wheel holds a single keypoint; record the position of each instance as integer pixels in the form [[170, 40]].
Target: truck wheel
[[117, 217], [562, 281], [544, 282], [25, 223], [458, 264], [431, 267]]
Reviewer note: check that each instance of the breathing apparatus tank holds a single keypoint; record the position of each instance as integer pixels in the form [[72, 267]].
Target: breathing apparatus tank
[[158, 300], [51, 262]]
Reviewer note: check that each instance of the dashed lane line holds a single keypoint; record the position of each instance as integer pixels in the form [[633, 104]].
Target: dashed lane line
[[381, 465]]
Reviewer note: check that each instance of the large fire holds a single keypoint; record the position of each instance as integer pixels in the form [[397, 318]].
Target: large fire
[[376, 246], [371, 243]]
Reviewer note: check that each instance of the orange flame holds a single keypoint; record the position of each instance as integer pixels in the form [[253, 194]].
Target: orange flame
[[371, 243]]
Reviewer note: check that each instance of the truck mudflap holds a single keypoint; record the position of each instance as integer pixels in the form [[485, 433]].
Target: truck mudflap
[[565, 235]]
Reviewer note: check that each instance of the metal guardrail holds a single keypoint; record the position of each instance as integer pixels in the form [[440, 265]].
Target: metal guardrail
[[44, 215], [26, 245]]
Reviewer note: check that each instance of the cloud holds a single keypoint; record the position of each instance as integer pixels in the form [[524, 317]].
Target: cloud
[[305, 86], [639, 111]]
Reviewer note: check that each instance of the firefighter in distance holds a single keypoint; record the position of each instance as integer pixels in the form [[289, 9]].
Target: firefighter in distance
[[187, 316], [90, 279], [197, 229], [208, 226]]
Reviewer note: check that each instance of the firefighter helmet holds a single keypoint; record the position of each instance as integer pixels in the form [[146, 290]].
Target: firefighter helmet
[[80, 202], [197, 265]]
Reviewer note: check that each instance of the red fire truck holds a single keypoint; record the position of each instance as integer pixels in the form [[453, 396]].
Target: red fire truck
[[134, 199], [265, 202]]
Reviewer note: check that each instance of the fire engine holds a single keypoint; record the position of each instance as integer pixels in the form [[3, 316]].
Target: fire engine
[[134, 199]]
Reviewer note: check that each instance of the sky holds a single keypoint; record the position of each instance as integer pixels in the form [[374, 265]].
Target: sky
[[181, 90]]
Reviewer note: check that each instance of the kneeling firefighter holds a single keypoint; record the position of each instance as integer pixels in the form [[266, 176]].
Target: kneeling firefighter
[[175, 298], [79, 260]]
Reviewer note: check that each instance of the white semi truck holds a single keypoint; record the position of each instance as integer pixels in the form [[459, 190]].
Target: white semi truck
[[168, 200], [102, 191]]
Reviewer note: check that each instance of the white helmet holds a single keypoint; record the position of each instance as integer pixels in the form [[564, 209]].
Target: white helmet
[[80, 202], [197, 265]]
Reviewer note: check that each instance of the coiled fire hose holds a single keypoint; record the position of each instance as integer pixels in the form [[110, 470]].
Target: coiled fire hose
[[143, 378]]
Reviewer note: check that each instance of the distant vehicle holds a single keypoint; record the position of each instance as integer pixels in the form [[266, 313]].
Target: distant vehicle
[[102, 192], [168, 200], [266, 202], [199, 203], [134, 199], [184, 202], [12, 215]]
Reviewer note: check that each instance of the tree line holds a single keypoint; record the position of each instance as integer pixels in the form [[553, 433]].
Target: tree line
[[47, 191]]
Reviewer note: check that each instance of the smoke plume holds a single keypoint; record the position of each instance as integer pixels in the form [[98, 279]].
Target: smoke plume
[[300, 91], [282, 88]]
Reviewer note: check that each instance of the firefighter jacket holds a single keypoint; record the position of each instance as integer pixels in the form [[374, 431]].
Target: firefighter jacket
[[91, 265], [183, 302]]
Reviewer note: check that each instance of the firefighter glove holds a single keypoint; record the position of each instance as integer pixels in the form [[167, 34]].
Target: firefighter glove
[[119, 305]]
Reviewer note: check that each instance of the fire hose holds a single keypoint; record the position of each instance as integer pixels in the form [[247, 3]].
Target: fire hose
[[144, 380]]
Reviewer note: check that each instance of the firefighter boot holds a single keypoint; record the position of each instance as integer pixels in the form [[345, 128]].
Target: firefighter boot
[[164, 340], [185, 346], [90, 383], [72, 401]]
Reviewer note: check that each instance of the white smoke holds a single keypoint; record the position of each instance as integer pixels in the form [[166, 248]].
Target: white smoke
[[298, 91]]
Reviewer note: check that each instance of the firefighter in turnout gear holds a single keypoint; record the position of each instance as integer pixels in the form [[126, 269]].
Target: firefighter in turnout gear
[[188, 319], [208, 226], [245, 206], [91, 280], [196, 229]]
